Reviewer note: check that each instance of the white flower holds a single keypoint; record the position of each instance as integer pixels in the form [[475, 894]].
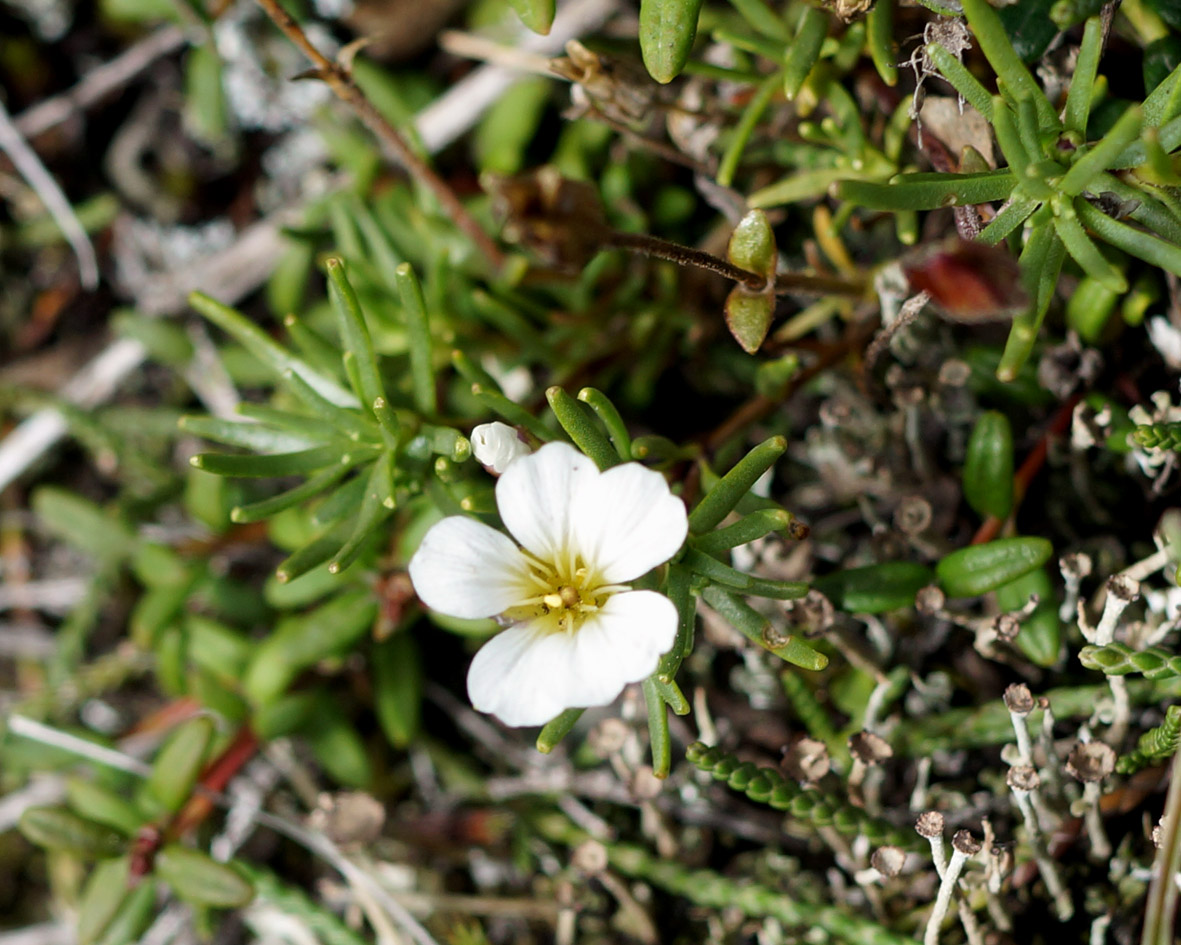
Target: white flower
[[577, 633], [496, 444]]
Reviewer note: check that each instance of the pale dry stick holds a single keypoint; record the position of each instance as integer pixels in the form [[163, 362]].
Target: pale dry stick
[[54, 595], [56, 738], [314, 842], [1022, 780], [29, 165], [963, 846], [474, 46], [92, 385], [449, 116], [47, 933], [340, 81], [1121, 591], [99, 82]]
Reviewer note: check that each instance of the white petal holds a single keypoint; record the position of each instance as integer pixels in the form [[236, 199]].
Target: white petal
[[466, 569], [496, 445], [534, 497], [527, 675], [626, 522]]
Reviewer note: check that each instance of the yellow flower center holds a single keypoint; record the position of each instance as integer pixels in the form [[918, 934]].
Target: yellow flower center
[[561, 594]]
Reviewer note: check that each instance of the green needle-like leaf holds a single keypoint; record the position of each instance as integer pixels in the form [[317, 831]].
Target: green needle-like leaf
[[354, 333], [580, 423], [514, 413], [556, 729], [1085, 252], [880, 35], [610, 418], [260, 511], [1011, 216], [754, 526], [745, 128], [928, 191], [418, 334], [275, 464], [961, 79], [1131, 240], [754, 626], [247, 436], [660, 743], [376, 505], [1041, 262], [804, 49], [1101, 155], [258, 343], [994, 41], [1082, 82], [732, 487]]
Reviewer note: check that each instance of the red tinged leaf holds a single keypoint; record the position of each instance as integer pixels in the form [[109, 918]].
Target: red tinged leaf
[[967, 282]]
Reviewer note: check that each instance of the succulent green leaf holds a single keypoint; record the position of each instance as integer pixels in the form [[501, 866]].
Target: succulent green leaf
[[178, 764], [988, 467], [56, 828], [538, 15], [300, 642], [875, 588], [1041, 632], [397, 687], [748, 316], [105, 890], [198, 878], [978, 569], [667, 31]]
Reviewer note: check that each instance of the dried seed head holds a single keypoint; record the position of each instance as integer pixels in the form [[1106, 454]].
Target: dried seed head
[[589, 857], [615, 87], [608, 737], [560, 220], [954, 372], [644, 784], [966, 843], [1018, 699], [813, 613], [1023, 778], [888, 860], [929, 824], [1006, 627], [869, 748], [350, 819], [1123, 588], [807, 760], [1090, 761], [913, 515], [1076, 565], [930, 600]]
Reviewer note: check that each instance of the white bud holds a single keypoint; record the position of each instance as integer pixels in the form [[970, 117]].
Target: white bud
[[496, 445]]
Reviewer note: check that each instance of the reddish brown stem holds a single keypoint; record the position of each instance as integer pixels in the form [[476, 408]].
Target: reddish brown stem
[[1033, 463], [213, 781], [341, 82]]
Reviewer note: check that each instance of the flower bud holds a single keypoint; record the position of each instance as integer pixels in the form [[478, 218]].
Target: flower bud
[[496, 445]]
